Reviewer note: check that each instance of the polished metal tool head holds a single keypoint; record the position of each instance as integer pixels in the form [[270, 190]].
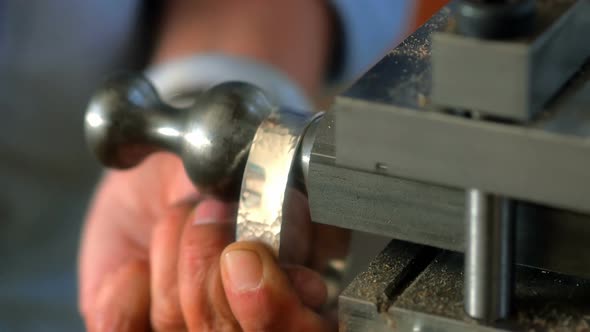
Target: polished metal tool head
[[238, 141], [126, 121]]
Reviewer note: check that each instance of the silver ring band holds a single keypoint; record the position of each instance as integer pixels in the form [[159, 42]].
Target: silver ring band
[[265, 182]]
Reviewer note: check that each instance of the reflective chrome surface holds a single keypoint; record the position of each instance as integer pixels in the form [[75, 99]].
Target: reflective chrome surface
[[265, 181], [200, 109], [489, 255], [126, 121], [307, 147], [205, 108]]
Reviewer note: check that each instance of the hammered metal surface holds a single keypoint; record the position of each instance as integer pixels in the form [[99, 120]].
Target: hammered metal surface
[[275, 146]]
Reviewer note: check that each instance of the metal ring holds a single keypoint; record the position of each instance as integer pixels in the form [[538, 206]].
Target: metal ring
[[264, 185], [276, 161]]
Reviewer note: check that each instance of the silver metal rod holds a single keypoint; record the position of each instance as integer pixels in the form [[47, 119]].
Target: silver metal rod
[[489, 255]]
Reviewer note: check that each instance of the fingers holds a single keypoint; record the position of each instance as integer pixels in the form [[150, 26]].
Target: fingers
[[202, 299], [184, 275], [329, 243], [166, 313], [123, 302], [260, 294], [109, 264], [308, 284], [120, 220]]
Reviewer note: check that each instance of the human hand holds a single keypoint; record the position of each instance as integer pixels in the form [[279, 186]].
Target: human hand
[[151, 260]]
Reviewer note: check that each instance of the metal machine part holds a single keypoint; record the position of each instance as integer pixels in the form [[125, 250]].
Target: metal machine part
[[126, 121], [413, 137], [522, 162], [489, 219], [512, 79], [229, 130], [197, 107], [357, 194], [376, 202], [489, 255], [415, 288], [495, 19], [273, 151]]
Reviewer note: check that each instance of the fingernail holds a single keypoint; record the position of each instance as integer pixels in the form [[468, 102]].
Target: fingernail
[[209, 212], [244, 270]]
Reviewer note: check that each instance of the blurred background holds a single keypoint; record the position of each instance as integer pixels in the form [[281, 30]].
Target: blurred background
[[52, 56]]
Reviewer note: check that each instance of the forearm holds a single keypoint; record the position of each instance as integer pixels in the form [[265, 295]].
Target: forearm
[[292, 35]]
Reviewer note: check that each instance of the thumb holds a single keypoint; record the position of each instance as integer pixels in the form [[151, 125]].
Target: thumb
[[261, 295]]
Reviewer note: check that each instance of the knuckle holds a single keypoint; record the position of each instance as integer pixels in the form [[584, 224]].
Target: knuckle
[[166, 313], [196, 256], [194, 269], [198, 253], [167, 320]]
